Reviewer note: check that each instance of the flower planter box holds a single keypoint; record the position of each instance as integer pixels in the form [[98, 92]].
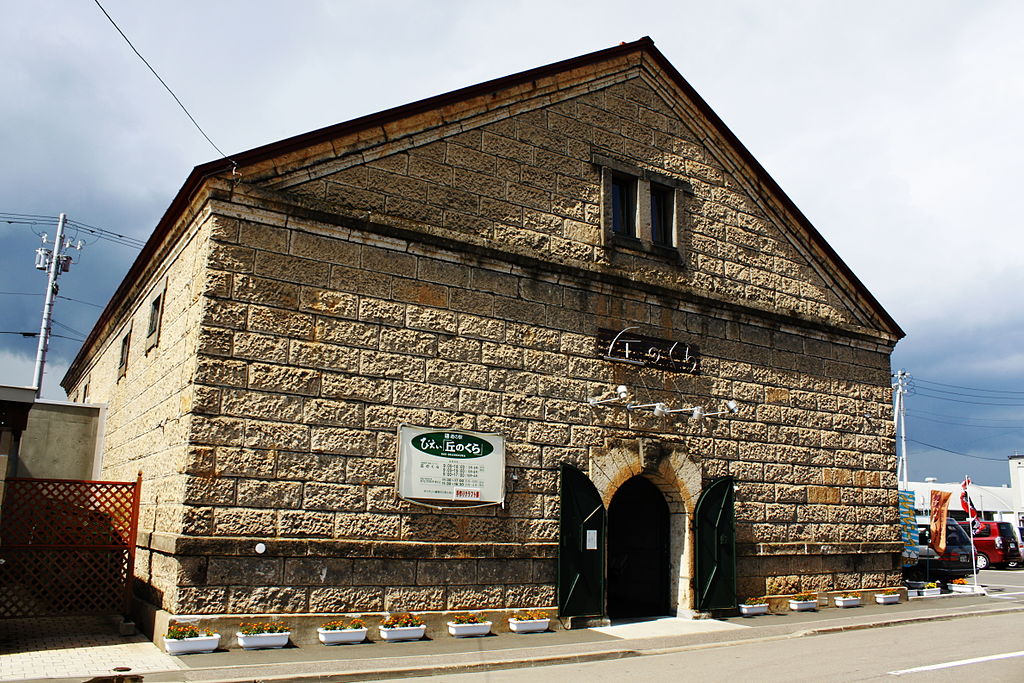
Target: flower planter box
[[966, 588], [926, 592], [528, 625], [753, 610], [846, 602], [263, 641], [341, 636], [803, 605], [400, 633], [469, 630], [887, 599], [188, 646]]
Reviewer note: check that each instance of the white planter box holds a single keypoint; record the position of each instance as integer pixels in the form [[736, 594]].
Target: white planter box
[[263, 641], [187, 646], [528, 625], [753, 610], [926, 592], [803, 605], [347, 635], [887, 599], [467, 630], [847, 602], [969, 588], [402, 633]]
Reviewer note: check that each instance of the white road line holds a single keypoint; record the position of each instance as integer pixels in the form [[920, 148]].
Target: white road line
[[961, 662]]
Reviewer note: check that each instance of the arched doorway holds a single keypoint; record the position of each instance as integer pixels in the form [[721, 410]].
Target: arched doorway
[[638, 551]]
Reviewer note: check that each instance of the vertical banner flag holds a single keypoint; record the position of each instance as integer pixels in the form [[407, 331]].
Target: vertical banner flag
[[940, 505], [909, 528], [968, 506]]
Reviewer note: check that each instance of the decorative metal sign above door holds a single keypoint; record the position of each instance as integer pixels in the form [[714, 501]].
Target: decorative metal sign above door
[[624, 346]]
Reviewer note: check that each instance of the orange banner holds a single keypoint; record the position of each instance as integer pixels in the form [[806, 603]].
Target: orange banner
[[940, 509]]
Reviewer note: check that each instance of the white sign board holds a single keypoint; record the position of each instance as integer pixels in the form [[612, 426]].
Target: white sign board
[[450, 464]]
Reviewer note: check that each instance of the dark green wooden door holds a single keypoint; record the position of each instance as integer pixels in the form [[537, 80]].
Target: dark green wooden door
[[715, 541], [581, 546]]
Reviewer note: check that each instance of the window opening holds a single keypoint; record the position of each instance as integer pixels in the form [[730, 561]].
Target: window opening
[[624, 205], [122, 365], [661, 215], [153, 331]]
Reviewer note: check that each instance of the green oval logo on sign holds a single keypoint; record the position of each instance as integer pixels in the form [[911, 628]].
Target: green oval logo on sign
[[452, 445]]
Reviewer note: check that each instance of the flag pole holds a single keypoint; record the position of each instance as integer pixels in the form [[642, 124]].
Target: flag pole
[[970, 528]]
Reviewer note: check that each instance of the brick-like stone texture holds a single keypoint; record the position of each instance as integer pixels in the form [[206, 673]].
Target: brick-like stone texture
[[458, 279]]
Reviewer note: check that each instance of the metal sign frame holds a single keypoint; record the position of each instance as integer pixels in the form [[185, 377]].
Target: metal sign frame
[[455, 466]]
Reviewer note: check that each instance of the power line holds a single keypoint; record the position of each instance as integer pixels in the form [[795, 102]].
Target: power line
[[4, 215], [957, 386], [100, 233], [977, 403], [966, 455], [963, 424], [166, 87], [69, 329], [964, 417], [79, 301], [972, 395], [59, 296]]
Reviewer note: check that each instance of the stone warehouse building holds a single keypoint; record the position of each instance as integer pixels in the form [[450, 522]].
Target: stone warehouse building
[[491, 260]]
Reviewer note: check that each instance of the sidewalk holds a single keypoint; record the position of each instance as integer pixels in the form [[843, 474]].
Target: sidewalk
[[52, 656]]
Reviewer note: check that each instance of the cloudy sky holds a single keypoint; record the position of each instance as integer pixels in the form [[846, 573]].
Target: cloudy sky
[[896, 127]]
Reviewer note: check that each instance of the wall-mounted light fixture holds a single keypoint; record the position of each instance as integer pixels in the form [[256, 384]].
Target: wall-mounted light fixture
[[697, 412], [731, 407], [621, 392]]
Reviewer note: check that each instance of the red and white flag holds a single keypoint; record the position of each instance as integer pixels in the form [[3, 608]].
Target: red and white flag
[[968, 506]]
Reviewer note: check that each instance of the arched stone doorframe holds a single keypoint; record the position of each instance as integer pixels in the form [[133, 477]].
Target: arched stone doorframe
[[678, 476]]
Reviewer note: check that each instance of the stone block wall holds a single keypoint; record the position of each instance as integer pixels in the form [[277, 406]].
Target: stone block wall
[[148, 408], [452, 271], [305, 372]]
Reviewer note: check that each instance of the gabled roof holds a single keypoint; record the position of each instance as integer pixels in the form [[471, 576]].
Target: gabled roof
[[644, 45]]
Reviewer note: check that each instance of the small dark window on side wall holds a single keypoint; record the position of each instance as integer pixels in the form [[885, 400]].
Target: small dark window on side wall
[[662, 214], [624, 205], [155, 312], [122, 365]]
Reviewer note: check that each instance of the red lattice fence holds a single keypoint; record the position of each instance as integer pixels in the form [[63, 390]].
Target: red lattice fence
[[68, 547]]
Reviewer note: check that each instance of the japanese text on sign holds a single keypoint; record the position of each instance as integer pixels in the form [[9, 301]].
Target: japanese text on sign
[[454, 465]]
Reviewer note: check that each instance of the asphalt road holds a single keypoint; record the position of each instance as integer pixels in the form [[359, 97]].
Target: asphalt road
[[985, 648], [989, 649]]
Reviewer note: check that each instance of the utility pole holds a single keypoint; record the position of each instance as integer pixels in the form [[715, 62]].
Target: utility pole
[[55, 262], [900, 419]]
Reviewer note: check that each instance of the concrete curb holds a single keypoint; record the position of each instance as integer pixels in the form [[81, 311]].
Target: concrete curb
[[504, 659], [899, 621]]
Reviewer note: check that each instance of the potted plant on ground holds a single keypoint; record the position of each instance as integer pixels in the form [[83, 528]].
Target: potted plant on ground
[[751, 607], [185, 639], [259, 635], [341, 631], [803, 602], [962, 586], [529, 621], [889, 596], [465, 625], [403, 626], [930, 589], [847, 599]]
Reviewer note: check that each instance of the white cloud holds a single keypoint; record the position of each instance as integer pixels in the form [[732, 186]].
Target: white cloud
[[17, 369]]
